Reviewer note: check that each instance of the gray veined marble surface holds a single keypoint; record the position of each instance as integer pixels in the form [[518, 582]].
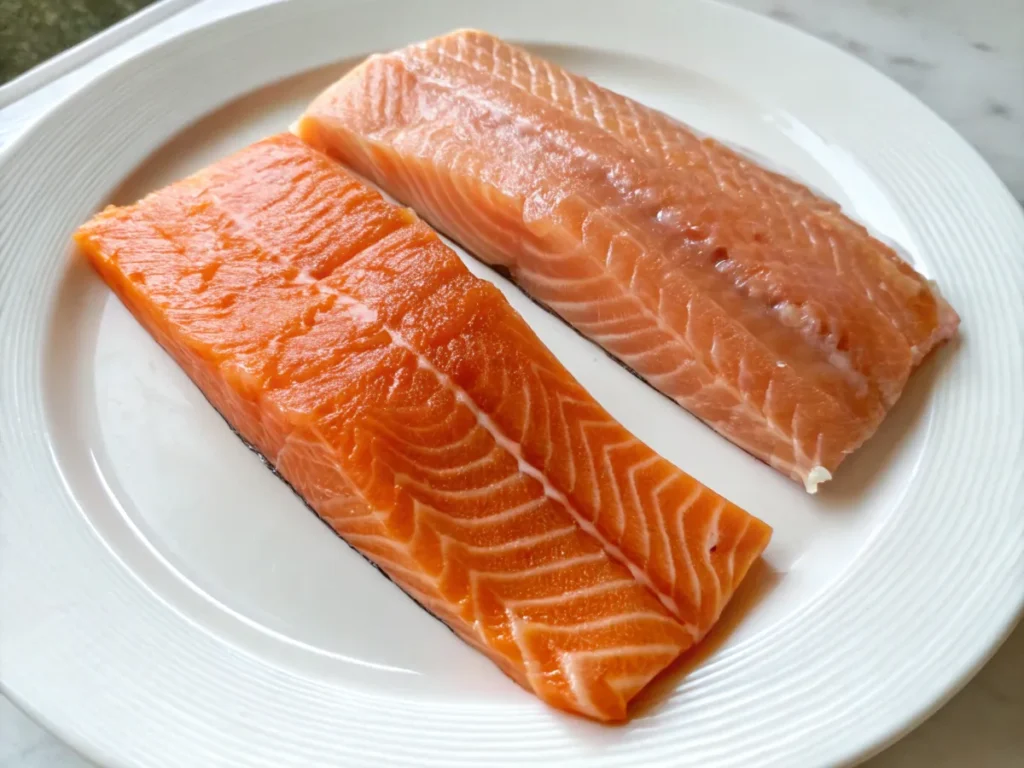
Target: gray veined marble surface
[[965, 59]]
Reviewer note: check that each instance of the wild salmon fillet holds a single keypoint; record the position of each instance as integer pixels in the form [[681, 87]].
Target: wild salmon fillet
[[752, 302], [418, 415]]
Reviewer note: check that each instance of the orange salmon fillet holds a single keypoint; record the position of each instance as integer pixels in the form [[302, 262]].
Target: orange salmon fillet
[[740, 294], [418, 415]]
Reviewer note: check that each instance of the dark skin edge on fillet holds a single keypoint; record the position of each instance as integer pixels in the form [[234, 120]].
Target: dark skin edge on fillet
[[280, 477]]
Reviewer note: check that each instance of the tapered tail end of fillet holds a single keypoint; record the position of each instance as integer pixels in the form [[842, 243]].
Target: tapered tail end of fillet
[[949, 319], [948, 322]]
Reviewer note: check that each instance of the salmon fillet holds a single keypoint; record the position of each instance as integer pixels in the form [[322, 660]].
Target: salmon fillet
[[755, 304], [418, 415]]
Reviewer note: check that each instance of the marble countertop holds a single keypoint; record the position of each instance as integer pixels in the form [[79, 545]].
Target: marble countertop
[[966, 61], [963, 59]]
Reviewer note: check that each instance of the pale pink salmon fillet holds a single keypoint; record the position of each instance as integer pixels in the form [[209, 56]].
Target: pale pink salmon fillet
[[752, 302], [418, 415]]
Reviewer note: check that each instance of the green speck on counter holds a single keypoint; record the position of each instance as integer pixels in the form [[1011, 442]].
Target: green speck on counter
[[32, 31]]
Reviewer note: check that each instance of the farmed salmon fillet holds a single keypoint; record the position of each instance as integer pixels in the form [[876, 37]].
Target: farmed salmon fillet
[[755, 304], [418, 415]]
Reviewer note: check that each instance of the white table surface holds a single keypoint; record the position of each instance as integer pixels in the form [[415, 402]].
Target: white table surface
[[963, 58]]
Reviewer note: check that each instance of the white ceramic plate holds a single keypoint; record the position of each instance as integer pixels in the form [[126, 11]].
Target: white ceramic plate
[[167, 601]]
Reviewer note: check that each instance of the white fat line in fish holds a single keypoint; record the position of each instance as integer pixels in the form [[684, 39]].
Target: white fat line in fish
[[369, 315]]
